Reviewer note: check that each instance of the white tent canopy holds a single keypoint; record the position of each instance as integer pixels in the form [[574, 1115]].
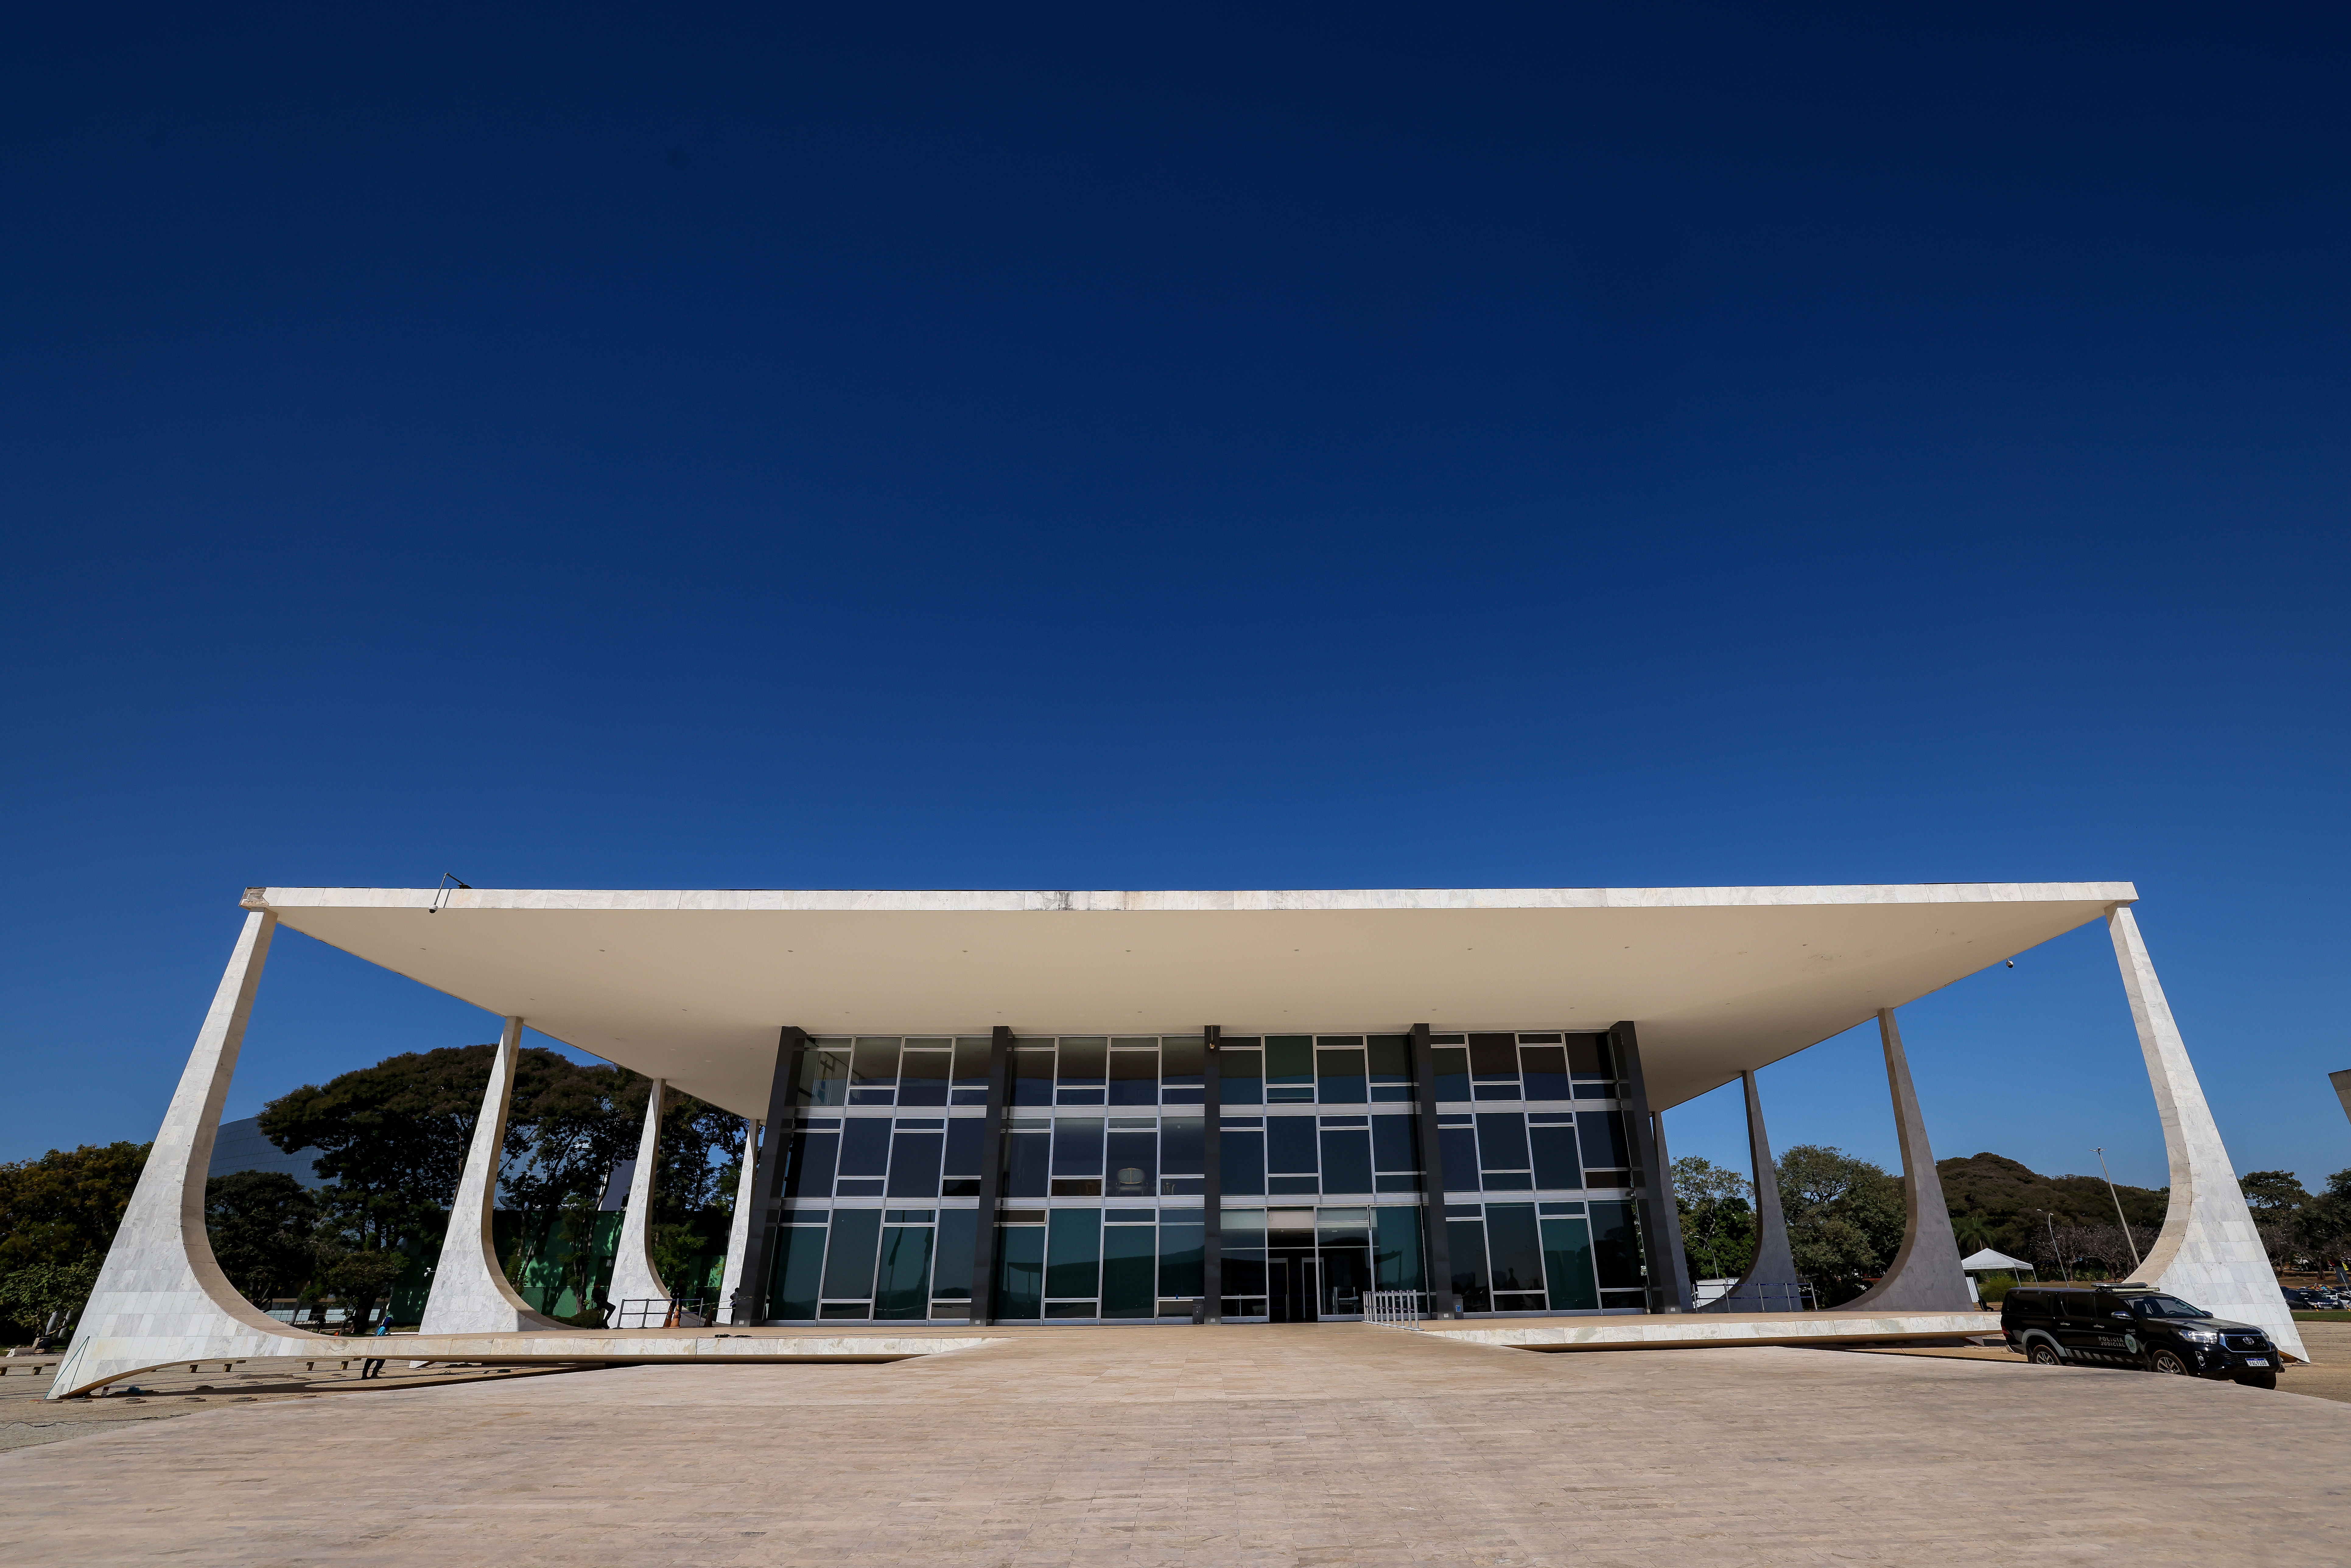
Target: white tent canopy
[[1988, 1258]]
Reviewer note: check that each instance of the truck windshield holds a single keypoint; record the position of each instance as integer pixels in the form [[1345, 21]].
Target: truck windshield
[[2165, 1307]]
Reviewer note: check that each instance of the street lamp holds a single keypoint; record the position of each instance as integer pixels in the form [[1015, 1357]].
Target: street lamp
[[2127, 1241]]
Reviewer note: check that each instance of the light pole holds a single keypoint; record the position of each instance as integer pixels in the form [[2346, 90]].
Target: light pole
[[2136, 1259], [2055, 1256]]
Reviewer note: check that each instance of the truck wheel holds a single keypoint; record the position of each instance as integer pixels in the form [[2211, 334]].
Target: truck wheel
[[2167, 1362], [2044, 1353]]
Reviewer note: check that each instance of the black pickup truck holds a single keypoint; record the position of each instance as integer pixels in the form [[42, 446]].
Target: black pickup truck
[[2135, 1326]]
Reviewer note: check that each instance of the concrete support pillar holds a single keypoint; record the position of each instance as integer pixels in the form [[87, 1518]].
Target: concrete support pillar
[[1661, 1224], [471, 1293], [634, 1278], [160, 1296], [1679, 1253], [738, 1233], [2209, 1252], [1769, 1283], [1926, 1276]]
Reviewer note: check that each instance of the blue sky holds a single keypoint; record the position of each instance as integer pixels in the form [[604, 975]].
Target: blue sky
[[1342, 447]]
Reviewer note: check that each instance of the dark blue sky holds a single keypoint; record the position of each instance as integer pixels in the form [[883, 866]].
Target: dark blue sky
[[1340, 445]]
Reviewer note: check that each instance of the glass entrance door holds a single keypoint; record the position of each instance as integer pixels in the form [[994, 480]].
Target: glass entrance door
[[1294, 1281]]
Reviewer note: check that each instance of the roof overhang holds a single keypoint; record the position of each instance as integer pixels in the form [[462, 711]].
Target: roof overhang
[[693, 986]]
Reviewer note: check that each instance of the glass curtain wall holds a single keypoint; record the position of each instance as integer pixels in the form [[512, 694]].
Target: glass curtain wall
[[1104, 1138]]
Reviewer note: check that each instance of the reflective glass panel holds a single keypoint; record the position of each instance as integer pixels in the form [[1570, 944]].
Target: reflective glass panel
[[799, 1265], [865, 1146], [922, 1074], [1616, 1247], [1182, 1058], [1180, 1145], [1131, 1164], [1288, 1068], [808, 1173], [1240, 1074], [1347, 1161], [951, 1276], [1241, 1161], [904, 1287], [1180, 1243], [1546, 1072], [1130, 1271], [1465, 1241], [849, 1263], [1134, 1078], [1338, 1077], [824, 1073], [1514, 1249], [874, 1073], [914, 1165], [1020, 1272], [1077, 1148], [1391, 1066], [1396, 1248], [1452, 1065], [1083, 1062], [1073, 1252], [1555, 1158], [1458, 1145], [1028, 1164], [1032, 1076], [1567, 1266]]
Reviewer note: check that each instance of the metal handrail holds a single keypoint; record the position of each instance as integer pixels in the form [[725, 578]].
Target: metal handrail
[[1768, 1298], [1394, 1309], [659, 1313]]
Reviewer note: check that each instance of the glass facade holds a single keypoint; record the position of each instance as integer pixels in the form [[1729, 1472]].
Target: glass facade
[[1102, 1184]]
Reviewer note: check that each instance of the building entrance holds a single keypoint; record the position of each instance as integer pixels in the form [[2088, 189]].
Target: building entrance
[[1294, 1281]]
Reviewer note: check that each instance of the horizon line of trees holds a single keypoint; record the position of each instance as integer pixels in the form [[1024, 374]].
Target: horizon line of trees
[[1845, 1218]]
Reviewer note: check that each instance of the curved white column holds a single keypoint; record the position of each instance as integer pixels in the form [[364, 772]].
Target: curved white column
[[471, 1293], [1925, 1276], [160, 1296], [738, 1233], [2209, 1251], [634, 1278]]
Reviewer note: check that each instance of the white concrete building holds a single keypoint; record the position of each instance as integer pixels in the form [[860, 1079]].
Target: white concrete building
[[1106, 1107]]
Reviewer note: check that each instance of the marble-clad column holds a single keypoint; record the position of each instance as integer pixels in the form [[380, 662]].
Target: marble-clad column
[[634, 1278], [471, 1292], [2209, 1251], [1769, 1283], [738, 1232], [160, 1296], [1926, 1276]]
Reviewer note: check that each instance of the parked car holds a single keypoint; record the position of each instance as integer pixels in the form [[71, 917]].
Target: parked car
[[2135, 1326], [2302, 1301]]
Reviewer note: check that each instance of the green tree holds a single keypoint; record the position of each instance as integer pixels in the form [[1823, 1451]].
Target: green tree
[[29, 1295], [1718, 1222], [1844, 1219], [262, 1224], [2273, 1195], [62, 1208], [359, 1279], [2324, 1225]]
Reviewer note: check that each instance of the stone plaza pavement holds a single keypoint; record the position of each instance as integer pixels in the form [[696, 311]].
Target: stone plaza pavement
[[1327, 1443]]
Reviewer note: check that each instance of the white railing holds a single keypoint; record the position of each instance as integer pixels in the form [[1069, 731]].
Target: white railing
[[1397, 1309]]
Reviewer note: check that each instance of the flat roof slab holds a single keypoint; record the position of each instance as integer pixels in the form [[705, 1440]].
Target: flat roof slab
[[692, 986]]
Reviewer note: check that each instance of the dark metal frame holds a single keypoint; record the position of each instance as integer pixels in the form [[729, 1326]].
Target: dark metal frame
[[991, 1177], [749, 1303], [1212, 1180], [1441, 1304]]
